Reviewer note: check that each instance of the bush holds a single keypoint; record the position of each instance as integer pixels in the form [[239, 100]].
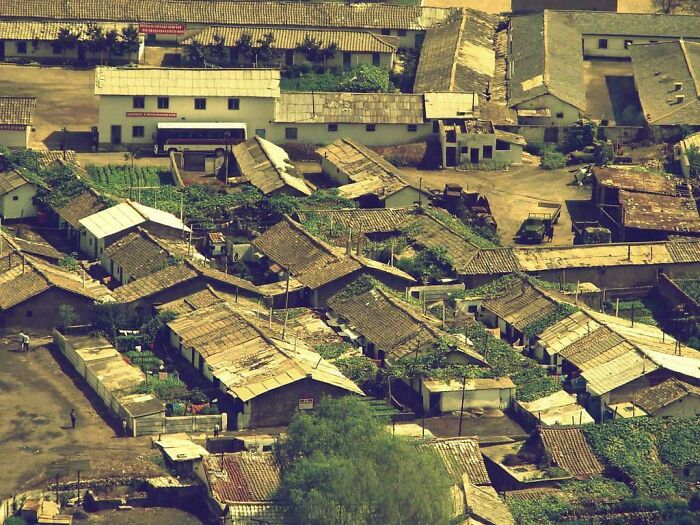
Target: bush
[[332, 350], [361, 371], [366, 78], [535, 148], [552, 159], [15, 520]]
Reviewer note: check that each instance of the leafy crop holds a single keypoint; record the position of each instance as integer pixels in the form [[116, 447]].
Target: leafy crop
[[561, 311]]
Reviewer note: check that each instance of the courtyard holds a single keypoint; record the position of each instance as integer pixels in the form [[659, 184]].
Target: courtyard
[[610, 92]]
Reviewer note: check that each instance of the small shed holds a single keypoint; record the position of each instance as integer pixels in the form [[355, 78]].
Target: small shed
[[559, 408], [446, 396], [17, 194]]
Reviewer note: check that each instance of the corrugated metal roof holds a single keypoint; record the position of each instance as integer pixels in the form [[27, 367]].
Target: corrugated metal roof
[[187, 82], [127, 215]]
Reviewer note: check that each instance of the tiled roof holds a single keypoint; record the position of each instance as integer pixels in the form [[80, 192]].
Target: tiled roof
[[154, 283], [138, 254], [493, 262], [46, 158], [357, 108], [10, 180], [267, 167], [363, 166], [33, 30], [486, 506], [84, 205], [202, 299], [567, 448], [459, 55], [653, 399], [672, 214], [461, 456], [521, 304], [187, 82], [684, 251], [250, 513], [245, 360], [34, 247], [242, 476], [591, 350], [348, 41], [330, 14], [638, 181], [17, 111], [363, 220]]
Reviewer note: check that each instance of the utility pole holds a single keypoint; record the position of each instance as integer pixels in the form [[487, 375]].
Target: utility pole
[[461, 409], [286, 304]]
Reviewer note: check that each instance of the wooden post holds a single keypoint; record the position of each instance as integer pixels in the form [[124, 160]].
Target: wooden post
[[286, 304], [461, 409], [391, 262], [269, 321], [577, 285], [617, 307], [236, 293]]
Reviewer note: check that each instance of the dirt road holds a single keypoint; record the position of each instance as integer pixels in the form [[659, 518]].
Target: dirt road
[[37, 392]]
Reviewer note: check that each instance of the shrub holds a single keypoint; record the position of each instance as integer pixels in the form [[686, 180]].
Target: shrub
[[332, 350], [552, 159]]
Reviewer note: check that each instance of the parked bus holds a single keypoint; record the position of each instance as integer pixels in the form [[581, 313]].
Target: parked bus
[[197, 136]]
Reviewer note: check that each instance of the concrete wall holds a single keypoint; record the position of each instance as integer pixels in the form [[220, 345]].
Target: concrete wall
[[19, 203], [616, 45], [570, 114], [40, 313], [384, 134], [688, 406], [256, 112], [15, 138], [488, 398]]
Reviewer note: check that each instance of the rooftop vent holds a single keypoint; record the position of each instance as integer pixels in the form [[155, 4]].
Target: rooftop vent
[[677, 86], [680, 99]]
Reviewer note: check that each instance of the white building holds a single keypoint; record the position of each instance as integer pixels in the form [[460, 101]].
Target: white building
[[17, 195], [16, 121]]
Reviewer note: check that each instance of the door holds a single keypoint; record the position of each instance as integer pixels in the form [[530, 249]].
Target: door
[[81, 53], [2, 50], [551, 135], [451, 154], [116, 135], [347, 61], [474, 155]]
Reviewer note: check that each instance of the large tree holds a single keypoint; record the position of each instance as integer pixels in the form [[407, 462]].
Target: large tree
[[341, 466]]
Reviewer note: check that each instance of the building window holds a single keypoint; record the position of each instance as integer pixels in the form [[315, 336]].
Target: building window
[[15, 198], [260, 132], [401, 32], [333, 127], [488, 152], [137, 132], [560, 114], [376, 59], [290, 133], [371, 127], [628, 43], [21, 47], [200, 103], [234, 103], [138, 102], [386, 32], [464, 149], [56, 48], [602, 43], [163, 103], [412, 128]]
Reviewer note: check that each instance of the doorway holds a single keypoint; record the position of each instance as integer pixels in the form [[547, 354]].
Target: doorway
[[2, 50], [116, 135], [474, 155]]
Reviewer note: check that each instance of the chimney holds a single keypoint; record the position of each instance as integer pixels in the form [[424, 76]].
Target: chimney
[[677, 86], [680, 99]]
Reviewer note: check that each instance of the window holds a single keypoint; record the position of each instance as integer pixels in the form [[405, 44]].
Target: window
[[21, 48], [333, 127], [560, 114], [602, 43], [260, 132], [15, 198], [464, 149], [386, 32], [56, 48], [30, 313], [376, 59], [200, 103], [370, 127], [488, 152], [137, 131], [234, 104], [138, 102], [401, 32], [290, 133], [163, 103], [412, 128], [628, 43]]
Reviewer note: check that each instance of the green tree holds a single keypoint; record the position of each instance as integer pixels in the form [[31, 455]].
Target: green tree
[[96, 40], [68, 315], [195, 52], [583, 133], [130, 39], [151, 329], [264, 51], [218, 48], [109, 318], [66, 40], [244, 47], [693, 153], [366, 78], [340, 466], [113, 43], [315, 52], [552, 159]]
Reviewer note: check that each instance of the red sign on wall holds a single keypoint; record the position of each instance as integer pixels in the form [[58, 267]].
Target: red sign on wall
[[162, 29], [150, 114]]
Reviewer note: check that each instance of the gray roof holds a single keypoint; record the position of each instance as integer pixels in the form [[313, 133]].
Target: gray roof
[[225, 12], [459, 55], [657, 68], [17, 111], [630, 24], [546, 58]]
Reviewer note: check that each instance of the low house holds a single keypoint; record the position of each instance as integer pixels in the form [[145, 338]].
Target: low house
[[444, 397], [242, 486], [366, 176], [557, 409], [267, 167], [566, 448], [264, 381], [665, 74], [310, 270], [16, 114], [189, 303], [682, 154], [32, 292], [17, 194], [107, 226], [476, 141], [347, 48], [69, 214], [671, 398], [638, 206], [33, 41]]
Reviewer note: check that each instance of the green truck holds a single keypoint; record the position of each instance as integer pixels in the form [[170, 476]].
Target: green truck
[[540, 223]]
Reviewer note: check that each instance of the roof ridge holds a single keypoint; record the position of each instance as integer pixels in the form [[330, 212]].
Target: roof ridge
[[321, 244], [455, 55], [691, 70]]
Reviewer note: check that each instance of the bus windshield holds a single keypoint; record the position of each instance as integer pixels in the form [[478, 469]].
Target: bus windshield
[[197, 136]]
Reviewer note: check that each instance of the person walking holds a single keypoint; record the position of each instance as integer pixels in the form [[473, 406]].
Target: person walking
[[124, 427], [21, 342], [73, 417], [216, 430], [25, 342]]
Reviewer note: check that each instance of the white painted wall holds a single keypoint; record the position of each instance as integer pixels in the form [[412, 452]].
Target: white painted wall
[[15, 138], [616, 45], [384, 134], [555, 105], [19, 203]]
